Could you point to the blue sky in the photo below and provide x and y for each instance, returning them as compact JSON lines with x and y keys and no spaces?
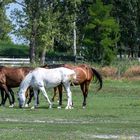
{"x":9,"y":10}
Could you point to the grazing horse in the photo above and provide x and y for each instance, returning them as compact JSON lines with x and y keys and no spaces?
{"x":40,"y":78}
{"x":11,"y":77}
{"x":84,"y":74}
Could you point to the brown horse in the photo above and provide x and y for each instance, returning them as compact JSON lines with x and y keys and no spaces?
{"x":11,"y":77}
{"x":85,"y":75}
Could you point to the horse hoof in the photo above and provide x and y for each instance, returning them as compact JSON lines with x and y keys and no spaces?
{"x":84,"y":107}
{"x":2,"y":105}
{"x":69,"y":107}
{"x":50,"y":106}
{"x":26,"y":105}
{"x":11,"y":106}
{"x":59,"y":107}
{"x":33,"y":107}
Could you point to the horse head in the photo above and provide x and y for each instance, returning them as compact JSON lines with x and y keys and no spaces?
{"x":21,"y":99}
{"x":72,"y":78}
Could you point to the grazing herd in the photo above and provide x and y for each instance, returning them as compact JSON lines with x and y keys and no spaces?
{"x":31,"y":81}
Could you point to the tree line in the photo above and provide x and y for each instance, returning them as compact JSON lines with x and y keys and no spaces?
{"x":98,"y":30}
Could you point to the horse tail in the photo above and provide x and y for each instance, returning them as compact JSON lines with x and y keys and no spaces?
{"x":98,"y":77}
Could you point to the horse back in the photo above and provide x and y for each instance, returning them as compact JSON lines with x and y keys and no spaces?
{"x":83,"y":72}
{"x":14,"y":75}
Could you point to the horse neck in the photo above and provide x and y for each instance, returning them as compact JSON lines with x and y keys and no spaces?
{"x":26,"y":82}
{"x":26,"y":70}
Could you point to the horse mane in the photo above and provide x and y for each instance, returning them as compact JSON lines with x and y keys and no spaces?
{"x":52,"y":65}
{"x":27,"y":69}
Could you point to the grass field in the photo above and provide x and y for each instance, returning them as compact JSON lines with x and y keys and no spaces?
{"x":113,"y":113}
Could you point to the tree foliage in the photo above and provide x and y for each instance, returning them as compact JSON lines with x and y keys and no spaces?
{"x":37,"y":23}
{"x":101,"y":33}
{"x":5,"y":24}
{"x":95,"y":29}
{"x":126,"y":13}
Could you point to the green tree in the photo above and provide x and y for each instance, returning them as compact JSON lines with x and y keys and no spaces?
{"x":126,"y":12}
{"x":68,"y":25}
{"x":5,"y":24}
{"x":101,"y":34}
{"x":48,"y":30}
{"x":36,"y":23}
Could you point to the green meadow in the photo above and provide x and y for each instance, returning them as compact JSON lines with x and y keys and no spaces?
{"x":112,"y":113}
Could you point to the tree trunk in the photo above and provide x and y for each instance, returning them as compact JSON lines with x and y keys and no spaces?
{"x":32,"y":50}
{"x":43,"y":56}
{"x":139,"y":51}
{"x":74,"y":39}
{"x":33,"y":41}
{"x":74,"y":34}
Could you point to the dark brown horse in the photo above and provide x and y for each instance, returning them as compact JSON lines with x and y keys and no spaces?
{"x":11,"y":77}
{"x":85,"y":74}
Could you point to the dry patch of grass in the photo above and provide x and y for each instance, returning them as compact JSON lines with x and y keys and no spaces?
{"x":109,"y":71}
{"x":132,"y":73}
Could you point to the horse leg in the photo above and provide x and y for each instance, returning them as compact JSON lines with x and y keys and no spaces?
{"x":60,"y":95}
{"x":38,"y":97}
{"x":69,"y":96}
{"x":83,"y":91}
{"x":31,"y":94}
{"x":55,"y":92}
{"x":2,"y":97}
{"x":84,"y":88}
{"x":35,"y":96}
{"x":12,"y":95}
{"x":46,"y":96}
{"x":7,"y":95}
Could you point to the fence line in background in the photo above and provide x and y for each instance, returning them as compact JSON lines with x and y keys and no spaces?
{"x":14,"y":61}
{"x":6,"y":61}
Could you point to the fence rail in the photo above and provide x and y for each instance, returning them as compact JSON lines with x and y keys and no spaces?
{"x":25,"y":61}
{"x":14,"y":61}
